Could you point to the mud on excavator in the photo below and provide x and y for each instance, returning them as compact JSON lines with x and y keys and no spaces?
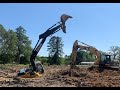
{"x":37,"y":69}
{"x":102,"y":61}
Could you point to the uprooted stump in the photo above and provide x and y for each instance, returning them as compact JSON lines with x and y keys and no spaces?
{"x":77,"y":72}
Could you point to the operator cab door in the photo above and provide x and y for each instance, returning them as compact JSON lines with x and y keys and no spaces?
{"x":105,"y":59}
{"x":108,"y":59}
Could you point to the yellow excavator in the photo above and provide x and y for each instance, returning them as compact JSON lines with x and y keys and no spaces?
{"x":37,"y":69}
{"x":102,"y":61}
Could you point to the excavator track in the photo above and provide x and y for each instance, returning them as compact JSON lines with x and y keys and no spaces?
{"x":101,"y":69}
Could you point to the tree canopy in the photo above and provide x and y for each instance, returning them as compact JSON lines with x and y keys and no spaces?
{"x":15,"y":46}
{"x":55,"y":48}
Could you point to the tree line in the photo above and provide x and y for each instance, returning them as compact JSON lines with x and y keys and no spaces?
{"x":15,"y":47}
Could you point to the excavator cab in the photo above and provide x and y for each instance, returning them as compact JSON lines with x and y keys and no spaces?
{"x":105,"y":62}
{"x":105,"y":59}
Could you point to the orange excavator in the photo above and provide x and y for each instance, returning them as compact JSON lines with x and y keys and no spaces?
{"x":36,"y":69}
{"x":102,"y":61}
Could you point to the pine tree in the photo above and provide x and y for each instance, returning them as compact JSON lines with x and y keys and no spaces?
{"x":55,"y":45}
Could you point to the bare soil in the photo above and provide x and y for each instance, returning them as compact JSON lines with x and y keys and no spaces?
{"x":59,"y":76}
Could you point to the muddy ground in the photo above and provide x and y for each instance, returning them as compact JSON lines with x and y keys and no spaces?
{"x":58,"y":76}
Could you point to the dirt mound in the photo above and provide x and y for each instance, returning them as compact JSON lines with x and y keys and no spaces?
{"x":59,"y":76}
{"x":85,"y":78}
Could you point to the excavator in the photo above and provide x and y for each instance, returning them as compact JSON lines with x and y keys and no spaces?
{"x":102,"y":61}
{"x":37,"y":69}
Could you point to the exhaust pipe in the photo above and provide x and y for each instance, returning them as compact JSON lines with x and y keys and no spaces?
{"x":63,"y":18}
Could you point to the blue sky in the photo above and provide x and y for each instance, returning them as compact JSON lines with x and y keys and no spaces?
{"x":96,"y":24}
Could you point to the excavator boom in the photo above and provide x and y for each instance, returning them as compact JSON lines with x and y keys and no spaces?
{"x":43,"y":37}
{"x":89,"y":48}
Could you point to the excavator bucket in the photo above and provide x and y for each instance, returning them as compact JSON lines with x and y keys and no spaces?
{"x":63,"y":18}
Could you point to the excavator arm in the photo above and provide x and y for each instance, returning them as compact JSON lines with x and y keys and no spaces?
{"x":43,"y":37}
{"x":39,"y":44}
{"x":91,"y":49}
{"x":74,"y":54}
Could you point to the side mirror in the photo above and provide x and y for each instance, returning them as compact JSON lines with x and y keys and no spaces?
{"x":63,"y":18}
